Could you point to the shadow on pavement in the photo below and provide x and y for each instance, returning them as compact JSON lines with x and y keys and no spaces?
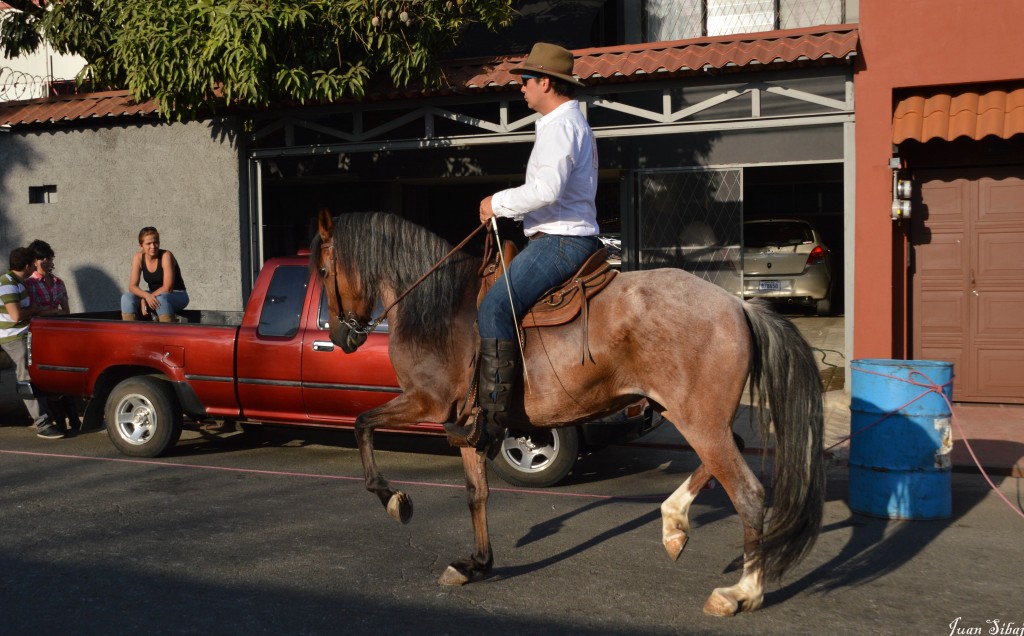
{"x":879,"y":546}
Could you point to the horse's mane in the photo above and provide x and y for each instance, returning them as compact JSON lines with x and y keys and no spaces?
{"x":383,"y":250}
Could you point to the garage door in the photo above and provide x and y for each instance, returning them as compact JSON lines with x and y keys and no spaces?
{"x":967,"y":249}
{"x":692,"y":219}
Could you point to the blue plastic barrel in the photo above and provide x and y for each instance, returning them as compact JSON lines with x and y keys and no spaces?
{"x":899,"y":464}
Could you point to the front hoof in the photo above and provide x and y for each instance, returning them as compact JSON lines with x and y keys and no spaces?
{"x":451,"y":576}
{"x":674,"y":544}
{"x":400,"y":507}
{"x":720,"y":605}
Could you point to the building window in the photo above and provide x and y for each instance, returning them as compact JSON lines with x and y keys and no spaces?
{"x":667,"y":20}
{"x":42,"y":194}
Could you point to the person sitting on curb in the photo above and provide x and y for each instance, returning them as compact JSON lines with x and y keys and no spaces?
{"x":14,"y":318}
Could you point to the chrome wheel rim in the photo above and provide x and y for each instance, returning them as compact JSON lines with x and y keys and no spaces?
{"x":530,"y":453}
{"x":136,"y":419}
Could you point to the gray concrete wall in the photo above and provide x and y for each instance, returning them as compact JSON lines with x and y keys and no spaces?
{"x":112,"y":181}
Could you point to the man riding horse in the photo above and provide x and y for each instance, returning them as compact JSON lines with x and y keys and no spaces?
{"x":559,"y":215}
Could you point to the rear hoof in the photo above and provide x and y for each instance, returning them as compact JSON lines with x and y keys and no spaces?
{"x":720,"y":605}
{"x":674,"y":544}
{"x":451,"y":576}
{"x":400,"y":507}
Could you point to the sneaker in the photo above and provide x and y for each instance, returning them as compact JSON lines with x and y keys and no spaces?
{"x":49,"y":432}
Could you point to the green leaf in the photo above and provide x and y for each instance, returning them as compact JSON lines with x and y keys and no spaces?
{"x":255,"y":51}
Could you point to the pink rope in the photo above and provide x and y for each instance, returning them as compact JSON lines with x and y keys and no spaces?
{"x":931,"y":387}
{"x":278,"y":473}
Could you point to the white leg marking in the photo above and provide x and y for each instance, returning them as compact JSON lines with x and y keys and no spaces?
{"x":747,"y":595}
{"x":675,"y":519}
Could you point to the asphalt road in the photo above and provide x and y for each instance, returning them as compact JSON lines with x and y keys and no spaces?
{"x":276,"y":535}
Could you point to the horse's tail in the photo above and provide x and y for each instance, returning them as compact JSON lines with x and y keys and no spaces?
{"x":786,"y":376}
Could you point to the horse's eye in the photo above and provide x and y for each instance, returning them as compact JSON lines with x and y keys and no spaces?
{"x":323,"y":272}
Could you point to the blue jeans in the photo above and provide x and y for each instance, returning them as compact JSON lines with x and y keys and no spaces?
{"x":547,"y":261}
{"x":171,"y":302}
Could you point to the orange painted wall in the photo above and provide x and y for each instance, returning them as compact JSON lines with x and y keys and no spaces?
{"x":911,"y":43}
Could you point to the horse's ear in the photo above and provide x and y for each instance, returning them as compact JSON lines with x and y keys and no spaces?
{"x":326,"y":226}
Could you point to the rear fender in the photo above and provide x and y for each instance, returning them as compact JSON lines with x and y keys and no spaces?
{"x":113,"y":376}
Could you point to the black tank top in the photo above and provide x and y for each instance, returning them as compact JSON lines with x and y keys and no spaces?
{"x":156,"y":278}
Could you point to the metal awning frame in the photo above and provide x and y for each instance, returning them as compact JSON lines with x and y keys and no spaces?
{"x":823,"y":110}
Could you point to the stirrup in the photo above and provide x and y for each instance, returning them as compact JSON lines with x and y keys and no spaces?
{"x":464,"y":436}
{"x":479,"y":434}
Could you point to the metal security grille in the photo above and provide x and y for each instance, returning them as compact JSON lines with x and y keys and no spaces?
{"x":681,"y":19}
{"x":693,"y":220}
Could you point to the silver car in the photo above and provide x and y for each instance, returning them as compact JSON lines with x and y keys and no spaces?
{"x":786,"y":260}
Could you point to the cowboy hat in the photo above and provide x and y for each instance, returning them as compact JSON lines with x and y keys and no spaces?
{"x":548,"y":59}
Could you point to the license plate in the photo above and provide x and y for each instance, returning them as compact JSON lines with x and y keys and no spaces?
{"x":769,"y":285}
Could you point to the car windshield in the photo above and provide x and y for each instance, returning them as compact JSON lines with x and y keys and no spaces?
{"x":776,"y":233}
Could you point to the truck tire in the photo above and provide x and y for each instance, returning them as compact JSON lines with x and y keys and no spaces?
{"x":537,"y":459}
{"x":143,"y":417}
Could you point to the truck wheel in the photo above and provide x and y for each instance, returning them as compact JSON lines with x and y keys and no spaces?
{"x":538,"y":459}
{"x":143,"y":418}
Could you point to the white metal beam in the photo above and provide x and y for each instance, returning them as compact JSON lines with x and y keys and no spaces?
{"x":643,"y":130}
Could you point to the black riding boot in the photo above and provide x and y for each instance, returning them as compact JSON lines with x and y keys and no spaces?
{"x":499,"y":369}
{"x":496,"y":377}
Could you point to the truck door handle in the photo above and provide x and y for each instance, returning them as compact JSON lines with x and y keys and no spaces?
{"x":323,"y":345}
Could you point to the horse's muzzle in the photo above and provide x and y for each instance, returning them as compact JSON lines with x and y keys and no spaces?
{"x":346,"y":338}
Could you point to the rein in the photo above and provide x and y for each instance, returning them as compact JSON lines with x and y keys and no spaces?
{"x":373,"y":324}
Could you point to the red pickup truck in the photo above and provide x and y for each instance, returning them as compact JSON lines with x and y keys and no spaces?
{"x":274,"y":363}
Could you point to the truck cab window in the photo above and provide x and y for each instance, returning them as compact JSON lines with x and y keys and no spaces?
{"x":282,"y":308}
{"x":322,"y":318}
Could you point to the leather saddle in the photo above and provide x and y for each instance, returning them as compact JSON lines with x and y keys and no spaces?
{"x":561,"y":304}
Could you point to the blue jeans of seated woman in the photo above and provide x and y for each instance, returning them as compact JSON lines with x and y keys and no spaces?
{"x":171,"y":302}
{"x":546,"y":262}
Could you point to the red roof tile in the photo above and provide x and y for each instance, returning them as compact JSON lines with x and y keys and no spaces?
{"x":66,"y":108}
{"x":595,"y":66}
{"x":640,"y":61}
{"x":960,"y":111}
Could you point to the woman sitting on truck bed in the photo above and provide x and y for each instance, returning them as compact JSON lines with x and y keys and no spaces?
{"x":160,"y":270}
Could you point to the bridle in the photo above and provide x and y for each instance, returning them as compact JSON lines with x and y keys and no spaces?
{"x":350,"y":320}
{"x":330,"y":276}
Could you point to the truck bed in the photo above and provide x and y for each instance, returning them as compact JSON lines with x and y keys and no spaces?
{"x":209,"y":317}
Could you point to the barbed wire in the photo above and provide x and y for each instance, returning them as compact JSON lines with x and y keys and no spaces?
{"x":17,"y":85}
{"x":21,"y":85}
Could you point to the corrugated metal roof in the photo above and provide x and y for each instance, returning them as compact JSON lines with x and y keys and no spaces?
{"x":67,"y":108}
{"x":961,"y":111}
{"x":595,"y":66}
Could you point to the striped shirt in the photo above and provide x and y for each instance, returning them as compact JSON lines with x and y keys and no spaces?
{"x":12,"y":291}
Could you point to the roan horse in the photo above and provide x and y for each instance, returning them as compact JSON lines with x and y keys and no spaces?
{"x":683,"y":343}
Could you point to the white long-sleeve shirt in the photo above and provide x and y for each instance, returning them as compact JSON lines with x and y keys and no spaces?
{"x":561,"y":178}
